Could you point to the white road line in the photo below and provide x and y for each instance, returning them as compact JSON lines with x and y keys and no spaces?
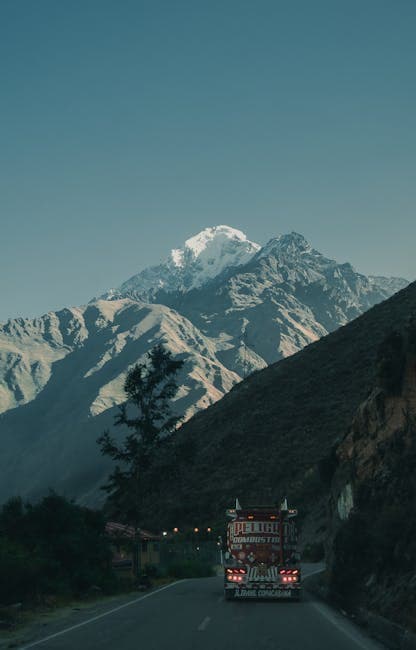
{"x":204,"y":624}
{"x":96,"y":618}
{"x":312,"y":573}
{"x":341,"y":625}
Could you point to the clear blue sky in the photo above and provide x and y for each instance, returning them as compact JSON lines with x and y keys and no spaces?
{"x":127,"y":126}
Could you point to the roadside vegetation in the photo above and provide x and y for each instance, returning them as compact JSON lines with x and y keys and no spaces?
{"x":52,"y":548}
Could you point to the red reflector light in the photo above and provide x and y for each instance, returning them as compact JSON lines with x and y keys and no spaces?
{"x":282,"y":571}
{"x":242,"y":571}
{"x":235,"y":578}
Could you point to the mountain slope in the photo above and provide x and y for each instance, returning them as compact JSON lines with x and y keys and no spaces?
{"x":268,"y":436}
{"x":52,"y":438}
{"x":287,"y":296}
{"x":371,"y":546}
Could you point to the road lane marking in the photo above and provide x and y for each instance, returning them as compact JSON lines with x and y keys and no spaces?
{"x":204,"y":624}
{"x":341,"y":625}
{"x":96,"y":618}
{"x":312,"y":573}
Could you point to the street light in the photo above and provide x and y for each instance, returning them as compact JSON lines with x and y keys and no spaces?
{"x":164,"y":533}
{"x":176,"y":530}
{"x":219,"y":544}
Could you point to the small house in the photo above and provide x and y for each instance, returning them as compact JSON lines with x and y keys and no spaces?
{"x":124,"y":539}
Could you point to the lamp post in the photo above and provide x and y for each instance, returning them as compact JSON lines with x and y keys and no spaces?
{"x":219,"y":543}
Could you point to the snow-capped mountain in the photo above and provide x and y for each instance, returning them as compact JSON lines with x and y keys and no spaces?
{"x":221,"y":302}
{"x":202,"y":258}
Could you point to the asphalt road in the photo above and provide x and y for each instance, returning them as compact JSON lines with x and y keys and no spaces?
{"x":192,"y":615}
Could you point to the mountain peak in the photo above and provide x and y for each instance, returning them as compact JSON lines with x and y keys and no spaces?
{"x":295,"y":240}
{"x":292,"y":244}
{"x":212,"y":242}
{"x":202,"y":258}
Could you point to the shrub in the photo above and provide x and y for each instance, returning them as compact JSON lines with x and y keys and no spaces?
{"x":52,"y":547}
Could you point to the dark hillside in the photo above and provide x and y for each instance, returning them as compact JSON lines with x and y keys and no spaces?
{"x":269,"y":434}
{"x":371,"y":545}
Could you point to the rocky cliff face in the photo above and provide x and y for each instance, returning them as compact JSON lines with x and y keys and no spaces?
{"x":372,"y":545}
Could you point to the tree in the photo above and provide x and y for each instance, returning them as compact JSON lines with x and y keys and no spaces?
{"x":149,"y":388}
{"x":51,"y":547}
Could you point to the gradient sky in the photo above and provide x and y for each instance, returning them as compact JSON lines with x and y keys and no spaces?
{"x":128,"y":126}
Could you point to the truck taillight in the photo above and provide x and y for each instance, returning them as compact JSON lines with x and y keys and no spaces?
{"x":232,"y":577}
{"x":236,"y":571}
{"x":289,"y":578}
{"x":289,"y":572}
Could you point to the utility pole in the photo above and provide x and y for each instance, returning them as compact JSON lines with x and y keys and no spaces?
{"x":137,"y":559}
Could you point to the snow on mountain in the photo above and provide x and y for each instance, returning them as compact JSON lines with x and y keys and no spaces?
{"x":202,"y":258}
{"x":287,"y":296}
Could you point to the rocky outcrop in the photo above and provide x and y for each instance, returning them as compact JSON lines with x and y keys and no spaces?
{"x":372,"y":543}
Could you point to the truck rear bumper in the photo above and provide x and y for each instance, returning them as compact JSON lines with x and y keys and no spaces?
{"x":263,"y":593}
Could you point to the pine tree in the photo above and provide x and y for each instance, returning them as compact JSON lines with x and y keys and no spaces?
{"x":149,"y":388}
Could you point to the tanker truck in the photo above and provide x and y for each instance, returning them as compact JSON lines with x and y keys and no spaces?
{"x":261,"y":561}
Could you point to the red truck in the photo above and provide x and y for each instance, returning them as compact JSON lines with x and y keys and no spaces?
{"x":261,"y":559}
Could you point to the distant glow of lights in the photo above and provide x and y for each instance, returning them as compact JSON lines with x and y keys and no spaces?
{"x":164,"y":533}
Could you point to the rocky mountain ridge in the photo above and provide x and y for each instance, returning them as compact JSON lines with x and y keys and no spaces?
{"x":202,"y":258}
